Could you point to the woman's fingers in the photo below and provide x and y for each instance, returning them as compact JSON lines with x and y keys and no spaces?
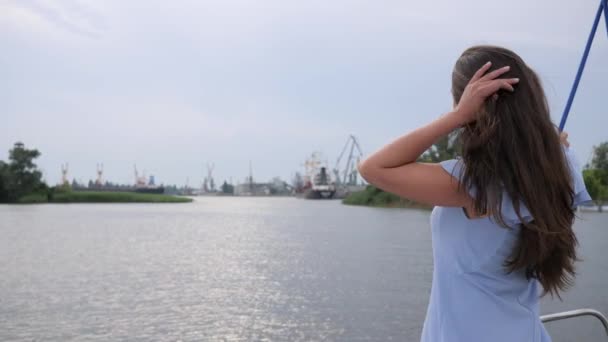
{"x":493,"y":86}
{"x":480,"y":72}
{"x":481,"y":75}
{"x":494,"y":74}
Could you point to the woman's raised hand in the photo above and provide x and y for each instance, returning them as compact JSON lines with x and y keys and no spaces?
{"x":563,"y":137}
{"x":480,"y":87}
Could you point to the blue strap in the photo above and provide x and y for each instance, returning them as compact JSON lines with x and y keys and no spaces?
{"x":605,"y":2}
{"x":603,"y":7}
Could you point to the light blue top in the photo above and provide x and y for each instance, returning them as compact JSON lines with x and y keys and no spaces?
{"x":473,"y":299}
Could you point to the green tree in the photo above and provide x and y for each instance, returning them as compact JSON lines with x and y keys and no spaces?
{"x":21,"y":175}
{"x":600,"y":156}
{"x":4,"y":181}
{"x":597,"y":190}
{"x":596,"y":175}
{"x":443,"y":149}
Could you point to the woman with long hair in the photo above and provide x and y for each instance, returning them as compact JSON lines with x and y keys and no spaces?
{"x":502,"y":223}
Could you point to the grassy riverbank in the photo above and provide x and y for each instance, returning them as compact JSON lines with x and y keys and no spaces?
{"x":102,"y":197}
{"x":374,"y":197}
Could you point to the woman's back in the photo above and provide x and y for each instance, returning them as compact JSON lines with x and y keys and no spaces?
{"x":473,"y":297}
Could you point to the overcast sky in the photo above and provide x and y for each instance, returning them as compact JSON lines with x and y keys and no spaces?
{"x":172,"y":85}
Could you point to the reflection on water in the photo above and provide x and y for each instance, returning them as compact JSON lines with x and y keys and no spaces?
{"x":235,"y":269}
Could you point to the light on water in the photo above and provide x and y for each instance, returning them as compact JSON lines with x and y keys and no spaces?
{"x":237,"y":269}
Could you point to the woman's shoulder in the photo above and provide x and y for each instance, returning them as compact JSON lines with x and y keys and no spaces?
{"x":509,"y":210}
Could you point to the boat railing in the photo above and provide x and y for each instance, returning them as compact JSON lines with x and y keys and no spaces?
{"x":576,"y":313}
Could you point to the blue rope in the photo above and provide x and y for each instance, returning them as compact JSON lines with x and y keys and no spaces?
{"x":581,"y":67}
{"x":605,"y":2}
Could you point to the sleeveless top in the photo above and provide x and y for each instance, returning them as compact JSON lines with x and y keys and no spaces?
{"x":473,"y":298}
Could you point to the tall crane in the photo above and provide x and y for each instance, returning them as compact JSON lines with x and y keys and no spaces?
{"x":209,"y":182}
{"x":140,"y":181}
{"x":347,"y":175}
{"x":99,"y":180}
{"x":64,"y":175}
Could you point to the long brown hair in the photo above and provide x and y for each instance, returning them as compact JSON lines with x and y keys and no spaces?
{"x":514,"y":147}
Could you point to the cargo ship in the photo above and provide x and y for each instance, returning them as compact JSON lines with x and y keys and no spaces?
{"x":318,"y":183}
{"x":147,"y":186}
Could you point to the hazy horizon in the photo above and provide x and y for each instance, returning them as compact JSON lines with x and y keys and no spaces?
{"x":172,"y":87}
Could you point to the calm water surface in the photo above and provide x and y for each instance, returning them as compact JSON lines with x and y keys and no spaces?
{"x":238,"y":269}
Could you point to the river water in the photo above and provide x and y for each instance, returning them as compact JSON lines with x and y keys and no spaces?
{"x":239,"y":269}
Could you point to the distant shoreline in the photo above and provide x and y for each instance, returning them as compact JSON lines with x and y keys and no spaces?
{"x":101,"y":197}
{"x":374,"y":197}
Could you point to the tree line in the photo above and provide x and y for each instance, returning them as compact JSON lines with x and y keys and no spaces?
{"x":20,"y":177}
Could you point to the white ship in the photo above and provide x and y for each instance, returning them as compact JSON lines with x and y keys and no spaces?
{"x":318,"y":183}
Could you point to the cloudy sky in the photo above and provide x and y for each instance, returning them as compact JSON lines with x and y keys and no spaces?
{"x":172,"y":85}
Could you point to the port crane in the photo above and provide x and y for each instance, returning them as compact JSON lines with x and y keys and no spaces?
{"x":209,"y":183}
{"x":347,"y":174}
{"x":99,"y":180}
{"x":64,"y":174}
{"x":140,"y":181}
